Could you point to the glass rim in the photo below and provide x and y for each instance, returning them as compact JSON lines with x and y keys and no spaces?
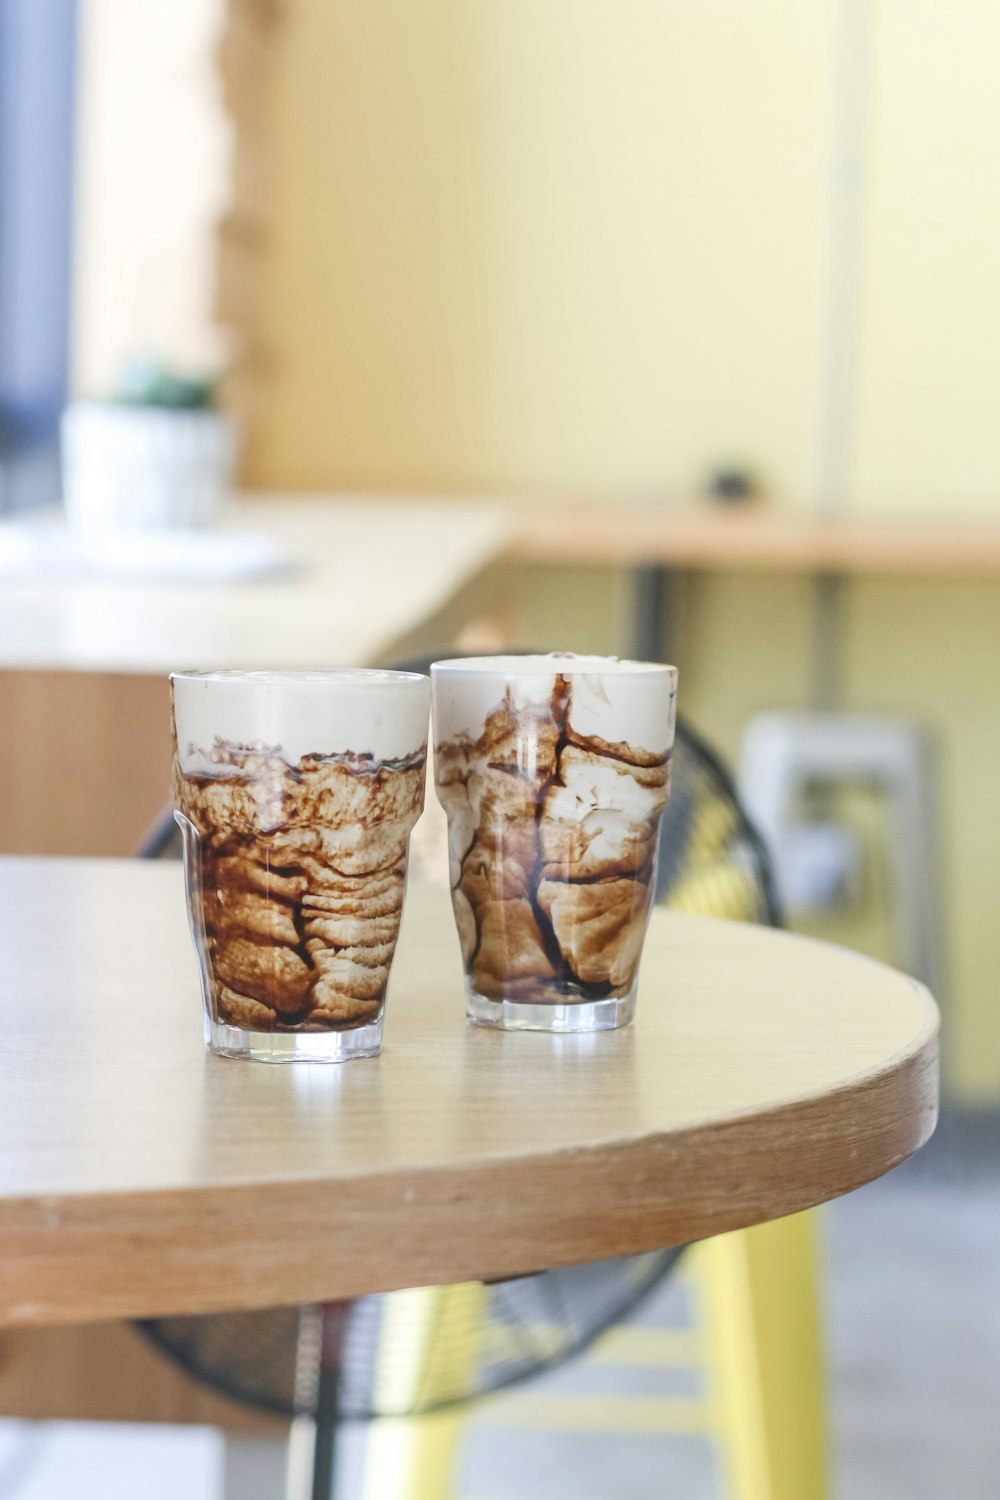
{"x":299,"y":676}
{"x":562,"y":663}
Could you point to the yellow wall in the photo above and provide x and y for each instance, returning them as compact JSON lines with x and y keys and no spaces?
{"x":558,"y":245}
{"x":928,"y":434}
{"x":578,"y":246}
{"x":152,"y":179}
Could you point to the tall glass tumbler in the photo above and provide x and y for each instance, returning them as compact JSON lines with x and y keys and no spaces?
{"x":554,"y":772}
{"x":296,"y":793}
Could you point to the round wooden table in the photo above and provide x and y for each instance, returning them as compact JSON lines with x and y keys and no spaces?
{"x":141,"y":1176}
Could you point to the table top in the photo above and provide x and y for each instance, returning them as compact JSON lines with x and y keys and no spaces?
{"x":757,"y":537}
{"x":368,"y":572}
{"x":141,"y":1176}
{"x":373,"y":569}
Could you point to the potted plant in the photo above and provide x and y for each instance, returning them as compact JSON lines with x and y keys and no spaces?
{"x":158,"y":455}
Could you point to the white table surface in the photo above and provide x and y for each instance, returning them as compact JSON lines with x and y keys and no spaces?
{"x":370,"y":571}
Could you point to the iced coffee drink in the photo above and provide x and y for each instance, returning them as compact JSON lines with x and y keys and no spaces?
{"x":296,"y":793}
{"x":554,"y":772}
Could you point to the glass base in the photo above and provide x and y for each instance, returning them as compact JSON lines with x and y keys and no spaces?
{"x":579,"y":1015}
{"x":295,"y":1046}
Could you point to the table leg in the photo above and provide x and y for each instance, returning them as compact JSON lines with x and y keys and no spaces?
{"x":334,"y":1317}
{"x":254,"y":1468}
{"x":653,"y":612}
{"x":829,"y":598}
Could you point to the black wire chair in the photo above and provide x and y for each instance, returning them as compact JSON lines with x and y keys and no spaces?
{"x":343,"y":1361}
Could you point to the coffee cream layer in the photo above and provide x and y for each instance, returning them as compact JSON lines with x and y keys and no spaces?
{"x":299,"y":859}
{"x":554,"y":773}
{"x":352,"y":711}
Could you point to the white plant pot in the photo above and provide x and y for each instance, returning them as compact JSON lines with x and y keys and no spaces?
{"x":142,"y":468}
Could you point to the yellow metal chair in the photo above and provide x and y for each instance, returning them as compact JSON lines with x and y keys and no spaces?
{"x":756,"y":1336}
{"x":762,"y":1351}
{"x":756,"y":1341}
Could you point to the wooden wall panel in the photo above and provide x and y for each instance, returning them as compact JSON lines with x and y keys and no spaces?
{"x":107,"y":1372}
{"x":84,"y":761}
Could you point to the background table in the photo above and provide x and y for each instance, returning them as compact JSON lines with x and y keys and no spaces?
{"x":379,"y":579}
{"x":751,"y":535}
{"x":660,"y":543}
{"x":140,"y":1176}
{"x":374,"y":580}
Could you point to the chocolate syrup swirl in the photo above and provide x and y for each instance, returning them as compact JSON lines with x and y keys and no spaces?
{"x":552,"y":837}
{"x":298,"y":875}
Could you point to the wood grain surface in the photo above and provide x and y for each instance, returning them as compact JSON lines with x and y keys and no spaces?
{"x":68,"y":785}
{"x":108,"y":1372}
{"x":756,"y":538}
{"x":765,"y":1073}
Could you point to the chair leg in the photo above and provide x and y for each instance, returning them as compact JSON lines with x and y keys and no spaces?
{"x":429,"y":1344}
{"x":915,"y":860}
{"x":413,"y":1458}
{"x":760,"y":1315}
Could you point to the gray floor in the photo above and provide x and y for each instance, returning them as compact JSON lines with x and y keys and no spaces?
{"x":913,"y":1313}
{"x":913,"y":1298}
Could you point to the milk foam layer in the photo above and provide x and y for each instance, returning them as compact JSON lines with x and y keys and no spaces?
{"x":617,"y":701}
{"x":350,"y":711}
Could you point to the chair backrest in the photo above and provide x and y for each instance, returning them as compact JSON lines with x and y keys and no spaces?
{"x":712,"y":860}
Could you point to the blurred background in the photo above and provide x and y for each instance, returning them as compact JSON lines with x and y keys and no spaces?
{"x":626,"y":311}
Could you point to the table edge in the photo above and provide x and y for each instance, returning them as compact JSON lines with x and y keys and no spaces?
{"x":170,"y":1251}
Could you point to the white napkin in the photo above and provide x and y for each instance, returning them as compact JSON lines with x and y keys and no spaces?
{"x":43,"y":551}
